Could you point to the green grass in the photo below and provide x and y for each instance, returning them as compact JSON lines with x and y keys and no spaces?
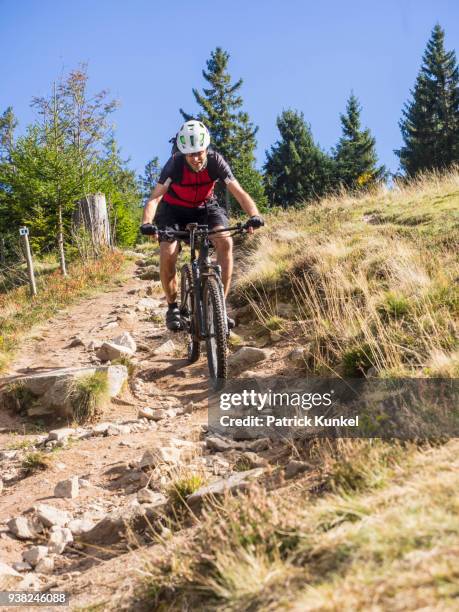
{"x":88,"y":395}
{"x":36,"y":461}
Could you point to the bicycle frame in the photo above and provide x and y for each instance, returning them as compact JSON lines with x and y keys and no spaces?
{"x":202,"y":268}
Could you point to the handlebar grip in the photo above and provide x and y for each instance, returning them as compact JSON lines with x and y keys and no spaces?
{"x":147,"y":229}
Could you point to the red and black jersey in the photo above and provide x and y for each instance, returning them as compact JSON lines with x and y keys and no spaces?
{"x":189,"y":188}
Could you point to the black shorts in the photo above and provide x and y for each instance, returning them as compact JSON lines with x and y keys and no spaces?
{"x":177,"y":217}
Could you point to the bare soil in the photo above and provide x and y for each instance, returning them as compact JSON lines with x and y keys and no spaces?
{"x":159,"y":381}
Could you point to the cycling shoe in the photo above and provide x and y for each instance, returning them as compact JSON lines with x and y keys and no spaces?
{"x":173,"y":322}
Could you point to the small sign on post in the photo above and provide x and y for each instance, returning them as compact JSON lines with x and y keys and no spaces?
{"x":24,"y":233}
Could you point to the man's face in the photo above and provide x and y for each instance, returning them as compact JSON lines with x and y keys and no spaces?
{"x":197,"y":160}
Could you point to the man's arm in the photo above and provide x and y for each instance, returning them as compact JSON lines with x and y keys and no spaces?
{"x":246,"y":202}
{"x":153,"y":201}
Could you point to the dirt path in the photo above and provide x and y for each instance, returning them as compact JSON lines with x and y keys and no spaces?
{"x":107,"y":463}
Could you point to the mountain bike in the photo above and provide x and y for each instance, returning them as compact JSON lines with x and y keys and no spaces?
{"x":202,"y":300}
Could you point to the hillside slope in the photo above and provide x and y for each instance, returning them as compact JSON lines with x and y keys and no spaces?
{"x":361,"y":287}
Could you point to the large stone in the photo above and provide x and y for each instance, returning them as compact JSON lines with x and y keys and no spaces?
{"x":50,"y":516}
{"x":110,"y":351}
{"x":52,"y":391}
{"x":125,"y":339}
{"x":116,"y":429}
{"x":24,"y":527}
{"x":35,"y":554}
{"x":298,"y":356}
{"x":236,"y":482}
{"x":22,"y":566}
{"x":58,"y":540}
{"x":247,"y":356}
{"x":67,"y":488}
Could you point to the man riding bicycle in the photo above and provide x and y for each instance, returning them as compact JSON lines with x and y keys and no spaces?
{"x":185,"y":194}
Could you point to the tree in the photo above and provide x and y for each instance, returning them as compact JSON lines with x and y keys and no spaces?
{"x":233,"y":134}
{"x":123,"y":194}
{"x":296,"y":169}
{"x":150,"y":177}
{"x":355,"y":154}
{"x":430,"y":123}
{"x":8,"y":124}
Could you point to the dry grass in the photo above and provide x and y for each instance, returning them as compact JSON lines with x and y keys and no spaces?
{"x":397,"y":537}
{"x":19,"y":313}
{"x":373,"y":279}
{"x":88,"y":395}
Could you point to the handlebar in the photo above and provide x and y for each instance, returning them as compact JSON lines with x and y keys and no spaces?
{"x":199,"y":230}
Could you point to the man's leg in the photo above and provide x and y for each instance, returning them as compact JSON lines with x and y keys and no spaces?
{"x":224,"y":247}
{"x":168,"y":252}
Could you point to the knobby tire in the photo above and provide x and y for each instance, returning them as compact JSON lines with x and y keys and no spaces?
{"x":187,"y":309}
{"x":214,"y":317}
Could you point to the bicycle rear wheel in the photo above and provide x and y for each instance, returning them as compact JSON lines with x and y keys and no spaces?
{"x":214,"y":317}
{"x":188,"y":313}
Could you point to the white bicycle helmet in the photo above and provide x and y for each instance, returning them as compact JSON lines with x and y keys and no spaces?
{"x":193,"y":137}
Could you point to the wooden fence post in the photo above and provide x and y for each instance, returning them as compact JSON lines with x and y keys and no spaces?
{"x":24,"y":233}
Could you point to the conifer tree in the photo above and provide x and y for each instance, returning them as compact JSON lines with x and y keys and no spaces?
{"x":355,"y":155}
{"x":232,"y":132}
{"x":296,"y":169}
{"x":150,"y":177}
{"x":430,"y":122}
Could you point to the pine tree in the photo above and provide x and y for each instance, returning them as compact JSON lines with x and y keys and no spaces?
{"x":232,"y":132}
{"x":430,"y":123}
{"x":296,"y":169}
{"x":150,"y":177}
{"x":355,"y":155}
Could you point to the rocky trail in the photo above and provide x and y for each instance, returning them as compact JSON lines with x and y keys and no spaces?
{"x":83,"y":524}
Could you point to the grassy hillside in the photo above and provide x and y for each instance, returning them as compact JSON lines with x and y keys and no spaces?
{"x":372,"y":286}
{"x":374,"y":280}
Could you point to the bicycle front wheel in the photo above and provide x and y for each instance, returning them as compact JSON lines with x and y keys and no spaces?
{"x":214,"y":317}
{"x":188,"y":313}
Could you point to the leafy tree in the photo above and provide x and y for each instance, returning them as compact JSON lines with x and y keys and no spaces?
{"x":355,"y":155}
{"x":430,"y":123}
{"x":233,"y":134}
{"x":296,"y":169}
{"x":123,"y":194}
{"x":150,"y":177}
{"x":8,"y":124}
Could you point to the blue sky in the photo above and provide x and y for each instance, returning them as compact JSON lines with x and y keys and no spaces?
{"x":299,"y":54}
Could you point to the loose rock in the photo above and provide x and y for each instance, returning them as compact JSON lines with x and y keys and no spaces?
{"x":247,"y":356}
{"x":35,"y":554}
{"x":156,"y":456}
{"x":110,"y":351}
{"x":67,"y":488}
{"x":236,"y":482}
{"x":58,"y":540}
{"x":79,"y":526}
{"x":50,"y":516}
{"x":125,"y":339}
{"x":22,"y":566}
{"x":165,"y":349}
{"x":146,"y":496}
{"x":45,"y":566}
{"x":24,"y":528}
